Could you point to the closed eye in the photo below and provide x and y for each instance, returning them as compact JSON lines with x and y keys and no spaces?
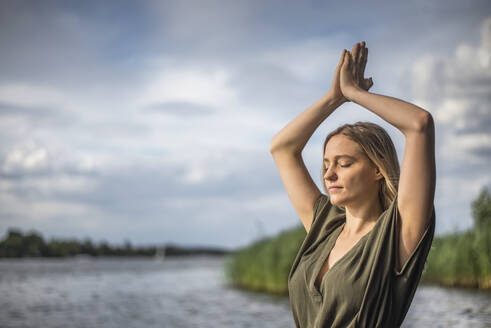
{"x":346,"y":165}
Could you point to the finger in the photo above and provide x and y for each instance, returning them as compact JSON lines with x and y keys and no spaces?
{"x":341,"y":60}
{"x":346,"y":59}
{"x":349,"y":60}
{"x":359,"y":61}
{"x":361,"y":52}
{"x":364,"y":61}
{"x":356,"y":49}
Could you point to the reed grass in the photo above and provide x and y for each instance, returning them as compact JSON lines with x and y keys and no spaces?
{"x":264,"y":265}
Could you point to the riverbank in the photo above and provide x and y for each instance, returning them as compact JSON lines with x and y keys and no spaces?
{"x":16,"y":244}
{"x":460,"y":260}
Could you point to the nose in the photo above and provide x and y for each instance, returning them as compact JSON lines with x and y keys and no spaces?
{"x":330,"y":173}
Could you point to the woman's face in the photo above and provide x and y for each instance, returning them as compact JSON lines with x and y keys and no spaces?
{"x":349,"y":168}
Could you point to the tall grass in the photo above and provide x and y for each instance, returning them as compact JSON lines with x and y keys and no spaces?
{"x":458,"y":259}
{"x":264,"y":265}
{"x":464,"y":259}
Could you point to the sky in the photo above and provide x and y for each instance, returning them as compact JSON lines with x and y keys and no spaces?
{"x":151,"y":121}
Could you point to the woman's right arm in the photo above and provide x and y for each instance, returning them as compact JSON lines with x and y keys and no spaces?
{"x":287,"y":145}
{"x":286,"y":149}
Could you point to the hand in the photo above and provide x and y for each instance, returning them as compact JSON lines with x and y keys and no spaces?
{"x":353,"y":69}
{"x":336,"y":87}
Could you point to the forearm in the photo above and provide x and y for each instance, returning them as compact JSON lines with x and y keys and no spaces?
{"x":403,"y":115}
{"x":294,"y":136}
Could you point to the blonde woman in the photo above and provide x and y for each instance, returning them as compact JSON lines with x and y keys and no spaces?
{"x":369,"y":233}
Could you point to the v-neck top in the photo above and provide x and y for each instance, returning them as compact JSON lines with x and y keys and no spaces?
{"x":363,"y":288}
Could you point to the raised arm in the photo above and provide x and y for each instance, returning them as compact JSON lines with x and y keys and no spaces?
{"x":286,"y":149}
{"x":418,"y":170}
{"x":287,"y":145}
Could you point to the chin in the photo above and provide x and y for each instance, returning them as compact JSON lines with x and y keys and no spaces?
{"x":338,"y":200}
{"x":335,"y":200}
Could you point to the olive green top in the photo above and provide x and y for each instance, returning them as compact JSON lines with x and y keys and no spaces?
{"x":363,"y":288}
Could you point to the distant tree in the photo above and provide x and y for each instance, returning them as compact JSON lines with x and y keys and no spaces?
{"x":481,"y":213}
{"x":128,"y":248}
{"x":88,"y":247}
{"x":12,"y":245}
{"x":16,"y":244}
{"x":34,"y":245}
{"x":481,"y":209}
{"x":105,"y":249}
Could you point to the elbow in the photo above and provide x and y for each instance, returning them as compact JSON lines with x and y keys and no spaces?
{"x":276,"y":144}
{"x":272,"y":146}
{"x":425,"y":122}
{"x":276,"y":147}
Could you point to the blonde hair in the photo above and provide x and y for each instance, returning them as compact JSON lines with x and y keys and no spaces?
{"x":378,"y":147}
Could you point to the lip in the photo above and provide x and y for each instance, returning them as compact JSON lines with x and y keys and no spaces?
{"x":334,"y":187}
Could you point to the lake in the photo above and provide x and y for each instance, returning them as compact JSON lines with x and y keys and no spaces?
{"x":178,"y":292}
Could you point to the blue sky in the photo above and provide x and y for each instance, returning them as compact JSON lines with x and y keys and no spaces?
{"x":150,"y":121}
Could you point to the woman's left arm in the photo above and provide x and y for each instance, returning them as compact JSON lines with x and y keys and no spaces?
{"x":417,"y":181}
{"x":418,"y":170}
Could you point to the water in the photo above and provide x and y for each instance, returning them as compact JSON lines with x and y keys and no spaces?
{"x":186,"y":292}
{"x":438,"y":307}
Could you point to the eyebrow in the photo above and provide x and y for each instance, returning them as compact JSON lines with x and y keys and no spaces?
{"x":338,"y":156}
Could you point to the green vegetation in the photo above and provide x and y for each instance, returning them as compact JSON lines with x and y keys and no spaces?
{"x":16,"y":244}
{"x":459,"y":259}
{"x":264,"y":266}
{"x":464,"y":259}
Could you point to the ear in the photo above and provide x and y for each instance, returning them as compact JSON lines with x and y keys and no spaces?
{"x":378,"y":174}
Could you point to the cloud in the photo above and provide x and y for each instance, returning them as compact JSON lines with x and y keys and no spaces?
{"x":28,"y":159}
{"x":182,"y":108}
{"x":153,"y":121}
{"x":152,"y":198}
{"x":192,"y":86}
{"x":455,"y":90}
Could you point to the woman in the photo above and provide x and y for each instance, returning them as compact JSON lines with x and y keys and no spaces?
{"x":369,"y":236}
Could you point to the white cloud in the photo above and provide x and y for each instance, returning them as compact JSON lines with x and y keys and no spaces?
{"x":201,"y":87}
{"x":456,"y":90}
{"x":78,"y":141}
{"x":29,"y":157}
{"x":452,"y":110}
{"x":52,"y":184}
{"x":459,"y":147}
{"x":307,"y":59}
{"x":31,"y":95}
{"x":39,"y":210}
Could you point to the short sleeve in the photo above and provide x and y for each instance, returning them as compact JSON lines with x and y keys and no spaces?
{"x":405,"y":281}
{"x":417,"y":259}
{"x":326,"y":216}
{"x":320,"y":203}
{"x":322,"y":208}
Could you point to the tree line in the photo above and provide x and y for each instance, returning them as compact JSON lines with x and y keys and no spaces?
{"x":32,"y":244}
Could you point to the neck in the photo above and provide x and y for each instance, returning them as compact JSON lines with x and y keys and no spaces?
{"x":361,"y":218}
